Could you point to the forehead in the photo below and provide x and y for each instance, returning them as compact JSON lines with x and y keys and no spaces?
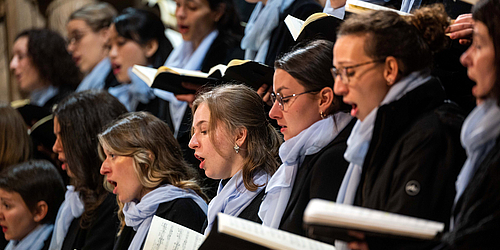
{"x":481,"y":31}
{"x":202,"y":114}
{"x":77,"y":24}
{"x":12,"y":196}
{"x":349,"y":48}
{"x":283,"y":81}
{"x":199,"y":2}
{"x":21,"y":44}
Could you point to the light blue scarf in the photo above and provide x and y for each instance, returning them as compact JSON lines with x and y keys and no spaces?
{"x":408,"y":5}
{"x":262,"y":22}
{"x":71,"y":208}
{"x":233,"y":198}
{"x":34,"y":240}
{"x":131,"y":94}
{"x":40,"y":96}
{"x":184,"y":57}
{"x":97,"y":76}
{"x":139,"y":215}
{"x":478,"y":136}
{"x":292,"y":152}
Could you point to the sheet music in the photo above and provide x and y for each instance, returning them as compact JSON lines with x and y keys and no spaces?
{"x":266,"y":236}
{"x":167,"y":235}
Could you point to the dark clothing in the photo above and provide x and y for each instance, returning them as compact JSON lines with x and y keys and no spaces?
{"x":63,"y":92}
{"x":183,"y":211}
{"x":477,"y":212}
{"x":281,"y":40}
{"x":251,"y":212}
{"x":223,"y":49}
{"x":319,"y":176}
{"x":101,"y":232}
{"x":414,"y":158}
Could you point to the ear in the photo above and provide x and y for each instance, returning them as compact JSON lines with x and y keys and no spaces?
{"x":150,"y":48}
{"x":40,"y":212}
{"x":325,"y":99}
{"x":241,"y":136}
{"x":391,"y":70}
{"x":221,"y":9}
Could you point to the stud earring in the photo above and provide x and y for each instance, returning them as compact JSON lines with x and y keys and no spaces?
{"x":236,"y":148}
{"x":323,"y":116}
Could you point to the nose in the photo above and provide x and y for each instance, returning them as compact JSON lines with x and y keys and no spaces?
{"x":13,"y":63}
{"x":275,"y":112}
{"x":339,"y":88}
{"x":193,"y":143}
{"x":71,"y":46}
{"x":180,"y":12}
{"x":465,"y":58}
{"x":105,"y":168}
{"x":113,"y":53}
{"x":57,"y":148}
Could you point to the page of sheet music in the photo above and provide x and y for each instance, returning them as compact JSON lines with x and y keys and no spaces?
{"x":167,"y":235}
{"x":266,"y":236}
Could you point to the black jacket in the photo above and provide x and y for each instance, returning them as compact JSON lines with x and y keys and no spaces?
{"x":414,"y":158}
{"x":183,"y":211}
{"x":319,"y":176}
{"x":477,"y":212}
{"x":100,"y":234}
{"x":281,"y":40}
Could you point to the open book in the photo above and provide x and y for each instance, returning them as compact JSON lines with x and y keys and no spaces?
{"x":317,"y":25}
{"x":321,"y":215}
{"x":359,"y":6}
{"x":227,"y":233}
{"x":251,"y":73}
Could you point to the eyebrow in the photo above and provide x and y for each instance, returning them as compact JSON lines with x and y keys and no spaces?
{"x":200,"y":122}
{"x":281,"y":88}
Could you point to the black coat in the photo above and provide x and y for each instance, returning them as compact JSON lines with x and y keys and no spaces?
{"x":183,"y":211}
{"x":414,"y":158}
{"x":477,"y":212}
{"x":319,"y":176}
{"x":281,"y":40}
{"x":100,"y":234}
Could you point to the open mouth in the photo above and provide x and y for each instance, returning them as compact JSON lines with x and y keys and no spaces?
{"x":354,"y":110}
{"x":183,"y":29}
{"x":4,"y":229}
{"x":202,"y":163}
{"x":116,"y":68}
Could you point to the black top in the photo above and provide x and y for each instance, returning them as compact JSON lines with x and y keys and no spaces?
{"x":413,"y":160}
{"x":477,"y":212}
{"x":183,"y":211}
{"x":319,"y":176}
{"x":101,"y":232}
{"x":281,"y":40}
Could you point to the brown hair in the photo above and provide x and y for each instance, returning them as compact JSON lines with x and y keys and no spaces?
{"x":412,"y":40}
{"x":310,"y":65}
{"x":157,"y":155}
{"x":81,"y":118}
{"x":487,"y":12}
{"x":237,"y":106}
{"x":15,"y":146}
{"x":97,"y":16}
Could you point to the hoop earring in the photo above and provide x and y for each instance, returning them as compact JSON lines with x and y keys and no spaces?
{"x":236,"y":148}
{"x":323,"y":116}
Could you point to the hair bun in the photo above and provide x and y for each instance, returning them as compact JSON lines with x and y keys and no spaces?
{"x":431,"y":22}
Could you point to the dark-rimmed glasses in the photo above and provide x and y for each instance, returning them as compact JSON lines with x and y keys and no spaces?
{"x":283,"y":100}
{"x":344,"y":77}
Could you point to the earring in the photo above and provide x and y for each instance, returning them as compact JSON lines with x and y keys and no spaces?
{"x":236,"y":148}
{"x":323,"y":116}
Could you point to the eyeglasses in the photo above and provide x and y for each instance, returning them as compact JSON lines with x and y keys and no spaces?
{"x":284,"y":100}
{"x":344,"y":76}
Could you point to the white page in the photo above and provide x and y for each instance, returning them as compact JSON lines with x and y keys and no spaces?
{"x":266,"y":236}
{"x":294,"y":25}
{"x":167,"y":235}
{"x":146,"y":74}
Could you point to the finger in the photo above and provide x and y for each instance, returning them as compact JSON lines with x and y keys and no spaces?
{"x":189,"y":98}
{"x":262,"y":90}
{"x":458,"y":27}
{"x":465,"y":41}
{"x":356,"y":234}
{"x":464,"y":17}
{"x":463,"y":34}
{"x":267,"y":99}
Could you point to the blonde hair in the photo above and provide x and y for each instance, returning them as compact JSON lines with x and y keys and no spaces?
{"x":237,"y":106}
{"x":156,"y":154}
{"x":15,"y":146}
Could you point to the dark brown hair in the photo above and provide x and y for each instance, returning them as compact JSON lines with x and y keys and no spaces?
{"x":36,"y":180}
{"x":81,"y":117}
{"x":412,"y":40}
{"x":310,"y":65}
{"x":487,"y":12}
{"x":237,"y":106}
